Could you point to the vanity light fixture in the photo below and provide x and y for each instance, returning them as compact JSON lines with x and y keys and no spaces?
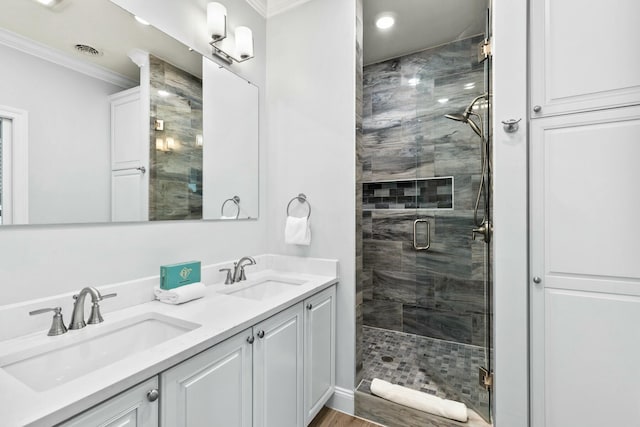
{"x":217,"y":26}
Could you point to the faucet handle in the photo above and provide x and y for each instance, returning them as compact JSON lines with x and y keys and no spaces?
{"x":95,"y":316}
{"x":57,"y":324}
{"x":228,"y":280}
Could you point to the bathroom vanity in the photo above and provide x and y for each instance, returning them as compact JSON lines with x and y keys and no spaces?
{"x":259,"y":352}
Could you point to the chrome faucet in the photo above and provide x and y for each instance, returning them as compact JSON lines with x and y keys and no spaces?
{"x":238,"y":268}
{"x":77,"y":317}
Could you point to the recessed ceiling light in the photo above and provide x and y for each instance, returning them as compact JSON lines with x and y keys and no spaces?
{"x":413,"y":82}
{"x":163,"y":93}
{"x":443,"y":100}
{"x":48,"y":3}
{"x":140,"y":20}
{"x":385,"y":21}
{"x":469,"y":85}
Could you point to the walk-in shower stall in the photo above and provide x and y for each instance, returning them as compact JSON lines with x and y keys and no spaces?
{"x":424,"y":223}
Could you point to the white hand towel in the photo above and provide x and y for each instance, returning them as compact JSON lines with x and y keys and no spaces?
{"x":419,"y":400}
{"x":297,"y":231}
{"x":180,"y":295}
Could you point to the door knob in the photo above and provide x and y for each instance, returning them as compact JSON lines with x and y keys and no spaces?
{"x":260,"y":334}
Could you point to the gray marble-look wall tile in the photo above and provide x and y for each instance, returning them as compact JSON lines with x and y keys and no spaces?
{"x":438,"y":324}
{"x":459,"y":295}
{"x":406,"y":137}
{"x":393,"y":225}
{"x":383,"y":314}
{"x":367,"y":283}
{"x":384,"y":255}
{"x":394,"y":286}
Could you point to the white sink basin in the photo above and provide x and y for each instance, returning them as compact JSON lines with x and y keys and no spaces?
{"x":265,"y":288}
{"x":77,"y":353}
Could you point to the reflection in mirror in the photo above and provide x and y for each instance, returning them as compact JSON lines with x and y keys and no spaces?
{"x":175,"y":179}
{"x":95,"y":151}
{"x":233,"y":151}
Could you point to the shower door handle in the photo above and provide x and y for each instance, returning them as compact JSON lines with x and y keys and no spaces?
{"x":415,"y":236}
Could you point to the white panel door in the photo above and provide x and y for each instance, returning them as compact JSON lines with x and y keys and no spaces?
{"x":127,"y":147}
{"x":212,"y":389}
{"x":131,"y":408}
{"x":584,"y":55}
{"x":319,"y":351}
{"x":129,"y":158}
{"x":278,"y":376}
{"x":585,"y":284}
{"x":129,"y":197}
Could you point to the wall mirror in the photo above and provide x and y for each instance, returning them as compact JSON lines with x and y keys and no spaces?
{"x":106,"y":119}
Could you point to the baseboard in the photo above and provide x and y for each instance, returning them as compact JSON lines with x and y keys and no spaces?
{"x":342,"y":400}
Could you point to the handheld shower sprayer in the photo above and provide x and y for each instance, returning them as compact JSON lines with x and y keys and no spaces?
{"x":468,"y":112}
{"x":483,"y":225}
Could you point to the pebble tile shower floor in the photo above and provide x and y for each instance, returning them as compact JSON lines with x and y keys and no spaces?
{"x":442,"y":368}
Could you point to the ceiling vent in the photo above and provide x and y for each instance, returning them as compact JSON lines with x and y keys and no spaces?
{"x":87,"y":50}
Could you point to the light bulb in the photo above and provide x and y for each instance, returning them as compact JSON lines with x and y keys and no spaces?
{"x":217,"y":20}
{"x":244,"y":42}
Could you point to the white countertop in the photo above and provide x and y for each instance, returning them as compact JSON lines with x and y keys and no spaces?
{"x":220,"y":316}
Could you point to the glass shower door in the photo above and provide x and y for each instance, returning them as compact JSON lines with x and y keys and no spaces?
{"x":453,"y":275}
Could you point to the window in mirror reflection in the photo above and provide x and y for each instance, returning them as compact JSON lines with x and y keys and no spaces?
{"x":175,"y":181}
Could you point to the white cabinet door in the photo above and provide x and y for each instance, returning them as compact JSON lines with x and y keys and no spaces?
{"x":131,"y":408}
{"x":584,"y":55}
{"x":585,"y":284}
{"x":278,"y":363}
{"x":319,"y":351}
{"x":212,"y":389}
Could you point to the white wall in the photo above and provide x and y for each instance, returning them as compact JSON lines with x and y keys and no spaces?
{"x":510,"y":214}
{"x":68,"y":137}
{"x":38,"y":261}
{"x":311,"y":131}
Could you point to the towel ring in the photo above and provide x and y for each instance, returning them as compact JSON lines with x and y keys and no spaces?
{"x":301,"y":198}
{"x":236,"y":201}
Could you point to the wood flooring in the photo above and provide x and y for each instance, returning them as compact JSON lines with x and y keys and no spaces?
{"x":328,"y":417}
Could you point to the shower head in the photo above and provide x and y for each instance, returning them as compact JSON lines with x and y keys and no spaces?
{"x":457,"y":117}
{"x":464,"y":117}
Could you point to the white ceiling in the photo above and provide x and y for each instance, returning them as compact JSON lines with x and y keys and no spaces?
{"x":420,"y":24}
{"x":98,"y":23}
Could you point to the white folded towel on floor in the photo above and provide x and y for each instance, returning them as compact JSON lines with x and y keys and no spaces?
{"x":179,"y":295}
{"x":297,"y":231}
{"x":419,"y":400}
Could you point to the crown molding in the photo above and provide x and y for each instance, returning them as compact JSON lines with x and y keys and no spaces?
{"x":46,"y":53}
{"x":275,"y":7}
{"x":260,"y":6}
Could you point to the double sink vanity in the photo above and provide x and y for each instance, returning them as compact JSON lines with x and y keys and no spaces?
{"x":253,"y":353}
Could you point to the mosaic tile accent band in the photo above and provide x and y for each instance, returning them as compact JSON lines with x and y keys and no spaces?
{"x":430,"y":193}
